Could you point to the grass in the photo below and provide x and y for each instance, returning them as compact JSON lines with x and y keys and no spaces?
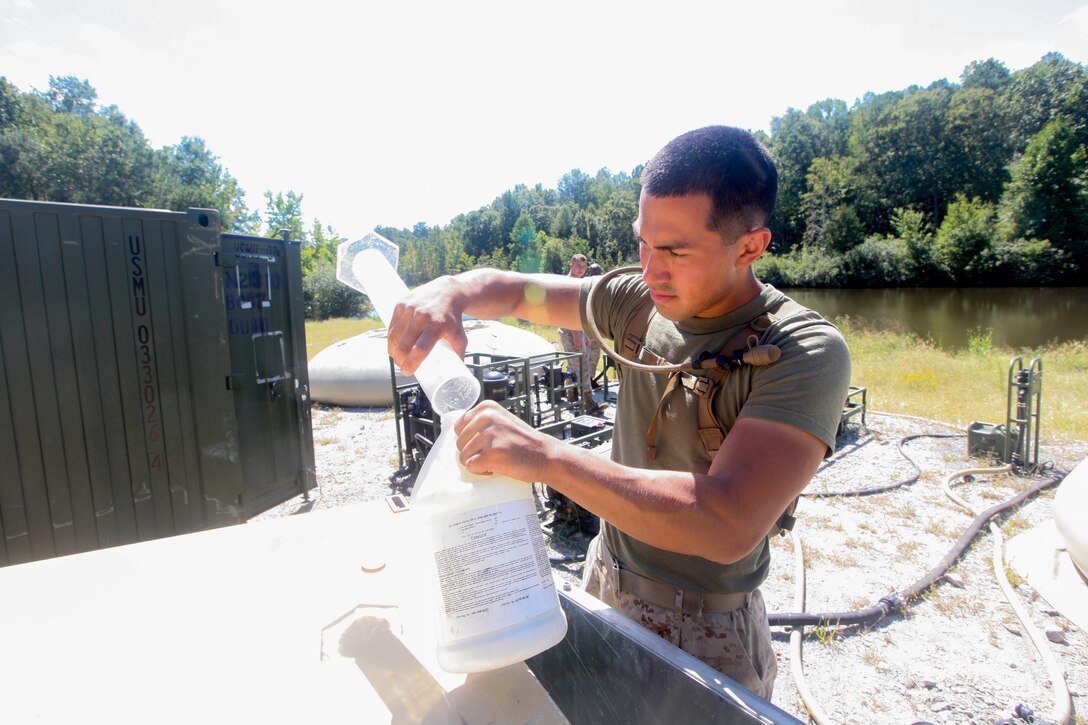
{"x":843,"y":560}
{"x":853,"y":542}
{"x":907,"y":549}
{"x":906,"y":374}
{"x":953,"y":604}
{"x":936,"y":527}
{"x":1014,"y":578}
{"x":322,"y":333}
{"x":1017,"y":524}
{"x":826,"y":636}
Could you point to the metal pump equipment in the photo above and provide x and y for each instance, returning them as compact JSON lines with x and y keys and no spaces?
{"x":1017,"y":441}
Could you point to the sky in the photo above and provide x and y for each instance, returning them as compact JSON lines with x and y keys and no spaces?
{"x":415,"y":111}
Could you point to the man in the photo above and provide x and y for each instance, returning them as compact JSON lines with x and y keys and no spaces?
{"x":683,"y":546}
{"x":575,"y":341}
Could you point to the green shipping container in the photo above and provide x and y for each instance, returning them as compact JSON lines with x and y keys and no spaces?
{"x":152,"y":377}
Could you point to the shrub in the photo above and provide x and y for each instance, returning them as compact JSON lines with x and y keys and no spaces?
{"x":963,"y":241}
{"x":325,"y":296}
{"x":802,"y":267}
{"x":1028,"y":262}
{"x":880,"y":262}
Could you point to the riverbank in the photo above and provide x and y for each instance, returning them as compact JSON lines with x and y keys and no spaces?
{"x":906,"y":374}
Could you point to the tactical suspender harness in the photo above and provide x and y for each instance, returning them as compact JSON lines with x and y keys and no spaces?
{"x":743,"y":349}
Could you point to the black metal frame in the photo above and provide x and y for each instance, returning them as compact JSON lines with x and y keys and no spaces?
{"x":538,"y":391}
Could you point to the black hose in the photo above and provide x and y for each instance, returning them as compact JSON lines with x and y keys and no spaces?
{"x":887,"y":486}
{"x":893,"y":603}
{"x":567,"y":559}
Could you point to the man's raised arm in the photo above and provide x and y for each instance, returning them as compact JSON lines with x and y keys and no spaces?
{"x":433,"y":311}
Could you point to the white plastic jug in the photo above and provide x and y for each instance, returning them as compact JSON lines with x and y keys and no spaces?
{"x":497,"y":598}
{"x":495,"y":593}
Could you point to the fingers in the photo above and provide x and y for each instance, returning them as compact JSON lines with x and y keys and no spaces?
{"x":473,"y":425}
{"x":473,"y":440}
{"x":459,"y":340}
{"x":483,"y":437}
{"x":409,"y":338}
{"x":412,"y":348}
{"x":414,"y":331}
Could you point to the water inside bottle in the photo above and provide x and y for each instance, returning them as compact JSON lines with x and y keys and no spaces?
{"x":458,"y":393}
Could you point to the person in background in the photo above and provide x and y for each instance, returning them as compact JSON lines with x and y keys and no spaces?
{"x":686,"y":511}
{"x":575,"y":341}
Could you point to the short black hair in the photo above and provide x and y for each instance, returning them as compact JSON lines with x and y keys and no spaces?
{"x":727,"y":164}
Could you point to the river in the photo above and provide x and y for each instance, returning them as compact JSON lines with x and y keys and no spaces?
{"x":1019,"y":317}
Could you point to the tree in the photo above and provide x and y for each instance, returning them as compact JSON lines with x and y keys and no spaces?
{"x":21,"y":158}
{"x":1040,"y":93}
{"x":616,"y":224}
{"x":990,"y":74}
{"x":12,"y":109}
{"x":1047,"y":194}
{"x":56,"y":146}
{"x":283,"y":216}
{"x":188,"y":174}
{"x":795,"y":143}
{"x":479,"y":229}
{"x":964,"y":239}
{"x":325,"y":296}
{"x":821,"y":131}
{"x":907,"y":154}
{"x":830,"y":218}
{"x":563,"y":223}
{"x":913,"y":228}
{"x":320,"y":247}
{"x":68,"y":94}
{"x":979,"y":149}
{"x":574,"y":187}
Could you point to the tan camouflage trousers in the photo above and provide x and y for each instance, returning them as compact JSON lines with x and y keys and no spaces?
{"x":578,"y":341}
{"x":736,"y":643}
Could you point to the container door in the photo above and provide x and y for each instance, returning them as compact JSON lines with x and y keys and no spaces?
{"x":262,"y":282}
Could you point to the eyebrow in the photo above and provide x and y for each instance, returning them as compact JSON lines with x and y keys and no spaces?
{"x":678,"y":244}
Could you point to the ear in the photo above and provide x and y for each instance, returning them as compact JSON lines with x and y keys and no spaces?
{"x":751,"y":246}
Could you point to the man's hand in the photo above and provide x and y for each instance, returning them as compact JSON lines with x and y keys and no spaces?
{"x":433,"y":312}
{"x":428,"y":314}
{"x":493,"y":440}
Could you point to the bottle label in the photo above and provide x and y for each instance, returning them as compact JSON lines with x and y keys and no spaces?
{"x":493,"y":570}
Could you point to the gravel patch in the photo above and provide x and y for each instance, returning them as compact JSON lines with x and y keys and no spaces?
{"x":957,"y":654}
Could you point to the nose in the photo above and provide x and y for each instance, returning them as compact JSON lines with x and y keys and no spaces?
{"x":653,"y":268}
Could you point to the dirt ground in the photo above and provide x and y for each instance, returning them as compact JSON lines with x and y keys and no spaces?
{"x":957,"y":654}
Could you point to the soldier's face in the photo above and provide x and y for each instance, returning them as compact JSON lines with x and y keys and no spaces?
{"x":690,"y":270}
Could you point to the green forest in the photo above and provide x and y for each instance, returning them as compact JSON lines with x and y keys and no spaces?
{"x":980,"y":182}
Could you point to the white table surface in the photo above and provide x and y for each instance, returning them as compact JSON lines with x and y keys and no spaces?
{"x":266,"y":622}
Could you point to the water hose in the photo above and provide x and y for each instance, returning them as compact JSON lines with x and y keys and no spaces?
{"x":1063,"y":703}
{"x":797,"y":669}
{"x":595,"y":334}
{"x":887,"y":486}
{"x":893,"y":603}
{"x":758,"y":355}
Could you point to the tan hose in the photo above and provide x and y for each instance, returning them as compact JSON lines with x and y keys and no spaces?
{"x":595,"y":334}
{"x":758,"y":356}
{"x":1063,"y":704}
{"x":797,"y":669}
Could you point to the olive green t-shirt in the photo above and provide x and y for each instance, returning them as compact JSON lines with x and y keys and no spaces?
{"x":805,"y":388}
